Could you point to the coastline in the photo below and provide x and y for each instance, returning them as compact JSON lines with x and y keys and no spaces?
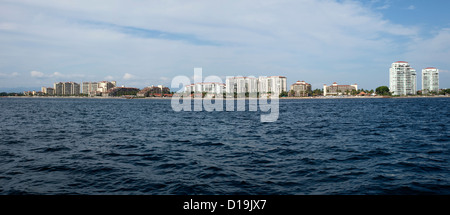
{"x":282,"y":98}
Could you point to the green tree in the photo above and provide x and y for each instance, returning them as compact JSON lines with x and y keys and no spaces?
{"x":383,"y":90}
{"x":284,"y":94}
{"x":317,"y":92}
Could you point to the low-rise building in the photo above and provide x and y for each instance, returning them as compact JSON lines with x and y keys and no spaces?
{"x":300,"y":89}
{"x":156,"y":91}
{"x":337,"y":90}
{"x":48,"y":91}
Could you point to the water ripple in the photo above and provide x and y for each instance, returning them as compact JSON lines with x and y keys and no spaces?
{"x":348,"y":146}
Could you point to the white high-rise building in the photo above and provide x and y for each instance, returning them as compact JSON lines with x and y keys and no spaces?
{"x":66,"y":89}
{"x":273,"y":85}
{"x":402,"y":79}
{"x":207,"y":87}
{"x":241,"y":85}
{"x":430,"y":80}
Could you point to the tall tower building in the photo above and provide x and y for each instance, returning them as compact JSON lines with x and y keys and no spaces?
{"x":430,"y":80}
{"x":402,"y":79}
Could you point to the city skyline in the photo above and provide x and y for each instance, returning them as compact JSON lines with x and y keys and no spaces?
{"x":318,"y":41}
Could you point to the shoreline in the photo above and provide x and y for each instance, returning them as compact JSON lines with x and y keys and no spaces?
{"x":282,"y":98}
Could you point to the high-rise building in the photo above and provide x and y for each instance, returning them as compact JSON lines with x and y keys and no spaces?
{"x":273,"y":85}
{"x":402,"y":79}
{"x":66,"y":89}
{"x":89,"y":88}
{"x":241,"y":85}
{"x":75,"y":89}
{"x":208,"y":87}
{"x":430,"y":80}
{"x":97,"y":88}
{"x":59,"y":88}
{"x":336,"y":90}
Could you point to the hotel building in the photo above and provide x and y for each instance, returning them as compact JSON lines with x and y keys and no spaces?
{"x":158,"y":91}
{"x":430,"y":80}
{"x":300,"y":89}
{"x":337,"y":90}
{"x":402,"y":79}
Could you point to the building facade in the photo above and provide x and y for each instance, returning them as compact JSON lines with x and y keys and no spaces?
{"x":338,"y":90}
{"x":402,"y":79}
{"x":273,"y":85}
{"x":300,"y":89}
{"x":48,"y":91}
{"x":58,"y":89}
{"x":205,"y":87}
{"x":241,"y":85}
{"x":430,"y":80}
{"x":97,"y":88}
{"x":66,"y":89}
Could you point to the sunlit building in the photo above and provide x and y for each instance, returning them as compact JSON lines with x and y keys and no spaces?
{"x":338,"y":90}
{"x":300,"y":89}
{"x":430,"y":80}
{"x":241,"y":85}
{"x":273,"y":85}
{"x":402,"y":79}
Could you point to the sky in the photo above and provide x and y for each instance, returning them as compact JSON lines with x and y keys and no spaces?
{"x":142,"y":43}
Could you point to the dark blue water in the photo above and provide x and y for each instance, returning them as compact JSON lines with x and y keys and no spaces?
{"x":332,"y":146}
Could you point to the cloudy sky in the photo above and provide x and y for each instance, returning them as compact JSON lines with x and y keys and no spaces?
{"x":140,"y":43}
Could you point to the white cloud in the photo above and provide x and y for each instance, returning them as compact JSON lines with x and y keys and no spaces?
{"x":37,"y":74}
{"x":5,"y":75}
{"x":247,"y":38}
{"x":434,"y":50}
{"x":109,"y":78}
{"x":57,"y":74}
{"x":128,"y":76}
{"x":411,"y":7}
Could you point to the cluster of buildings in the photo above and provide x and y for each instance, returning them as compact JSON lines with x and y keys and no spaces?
{"x":61,"y":89}
{"x":403,"y":79}
{"x":265,"y":86}
{"x":91,"y":89}
{"x":75,"y":89}
{"x":97,"y":88}
{"x":262,"y":86}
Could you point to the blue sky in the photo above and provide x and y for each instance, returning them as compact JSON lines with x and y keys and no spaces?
{"x":141,"y":43}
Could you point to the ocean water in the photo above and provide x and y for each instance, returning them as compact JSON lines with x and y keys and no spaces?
{"x":141,"y":146}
